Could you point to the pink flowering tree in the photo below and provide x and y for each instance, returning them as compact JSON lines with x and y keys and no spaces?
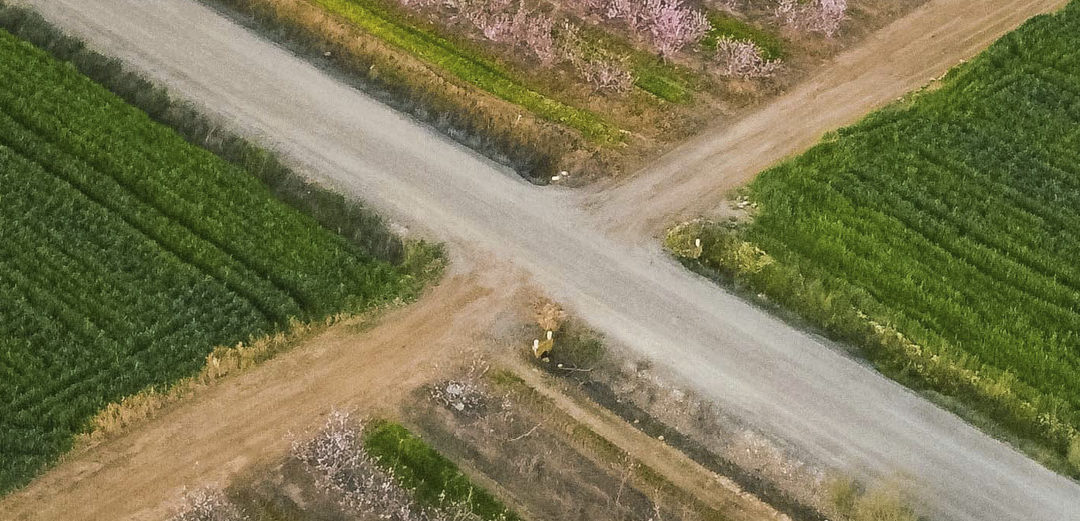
{"x":674,"y":26}
{"x":669,"y":25}
{"x":504,"y":21}
{"x":743,"y":59}
{"x":603,"y":72}
{"x":822,"y":16}
{"x":512,"y":22}
{"x":536,"y":33}
{"x":605,"y":75}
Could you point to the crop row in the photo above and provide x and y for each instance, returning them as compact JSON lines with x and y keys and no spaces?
{"x":127,"y":255}
{"x":951,"y":219}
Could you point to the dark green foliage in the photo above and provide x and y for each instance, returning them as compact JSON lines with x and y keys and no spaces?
{"x":333,"y":210}
{"x":434,"y":480}
{"x":953,"y":219}
{"x":127,"y":254}
{"x":727,"y":26}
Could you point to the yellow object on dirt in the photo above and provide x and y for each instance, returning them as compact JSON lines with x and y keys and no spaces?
{"x":541,"y":348}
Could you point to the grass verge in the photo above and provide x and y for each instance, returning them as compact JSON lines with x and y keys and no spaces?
{"x":468,"y":67}
{"x":580,"y":349}
{"x":434,"y":480}
{"x":723,"y":25}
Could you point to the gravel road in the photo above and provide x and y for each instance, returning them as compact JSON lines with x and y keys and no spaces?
{"x":776,"y":377}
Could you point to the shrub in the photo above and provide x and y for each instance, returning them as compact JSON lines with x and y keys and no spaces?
{"x":743,"y":59}
{"x":434,"y":480}
{"x":726,"y":26}
{"x":208,"y":505}
{"x":822,"y":16}
{"x":1074,"y":453}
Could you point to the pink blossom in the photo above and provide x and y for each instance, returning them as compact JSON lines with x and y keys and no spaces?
{"x":669,"y":25}
{"x":822,"y":16}
{"x":605,"y":75}
{"x":743,"y":59}
{"x":674,"y":26}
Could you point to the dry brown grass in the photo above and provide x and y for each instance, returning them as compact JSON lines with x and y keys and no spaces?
{"x":222,"y":362}
{"x":847,"y":500}
{"x":558,"y":464}
{"x":549,"y":316}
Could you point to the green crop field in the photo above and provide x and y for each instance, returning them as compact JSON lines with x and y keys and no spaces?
{"x":951,"y":218}
{"x":127,"y":254}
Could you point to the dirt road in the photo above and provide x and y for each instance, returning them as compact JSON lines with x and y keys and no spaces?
{"x":246,"y":419}
{"x":902,"y":57}
{"x":780,"y":379}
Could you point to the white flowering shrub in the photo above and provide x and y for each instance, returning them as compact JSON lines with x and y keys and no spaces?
{"x":743,"y":59}
{"x":669,"y":25}
{"x":208,"y":505}
{"x":461,"y":396}
{"x":336,"y":455}
{"x":822,"y":16}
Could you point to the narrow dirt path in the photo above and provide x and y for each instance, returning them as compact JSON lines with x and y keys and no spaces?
{"x":248,"y":419}
{"x":902,"y":57}
{"x":710,"y":488}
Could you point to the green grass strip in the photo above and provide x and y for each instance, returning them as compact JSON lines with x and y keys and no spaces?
{"x":665,"y":80}
{"x":435,"y":480}
{"x":727,"y":26}
{"x":468,"y":67}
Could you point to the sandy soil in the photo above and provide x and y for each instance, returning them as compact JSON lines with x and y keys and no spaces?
{"x":780,"y":380}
